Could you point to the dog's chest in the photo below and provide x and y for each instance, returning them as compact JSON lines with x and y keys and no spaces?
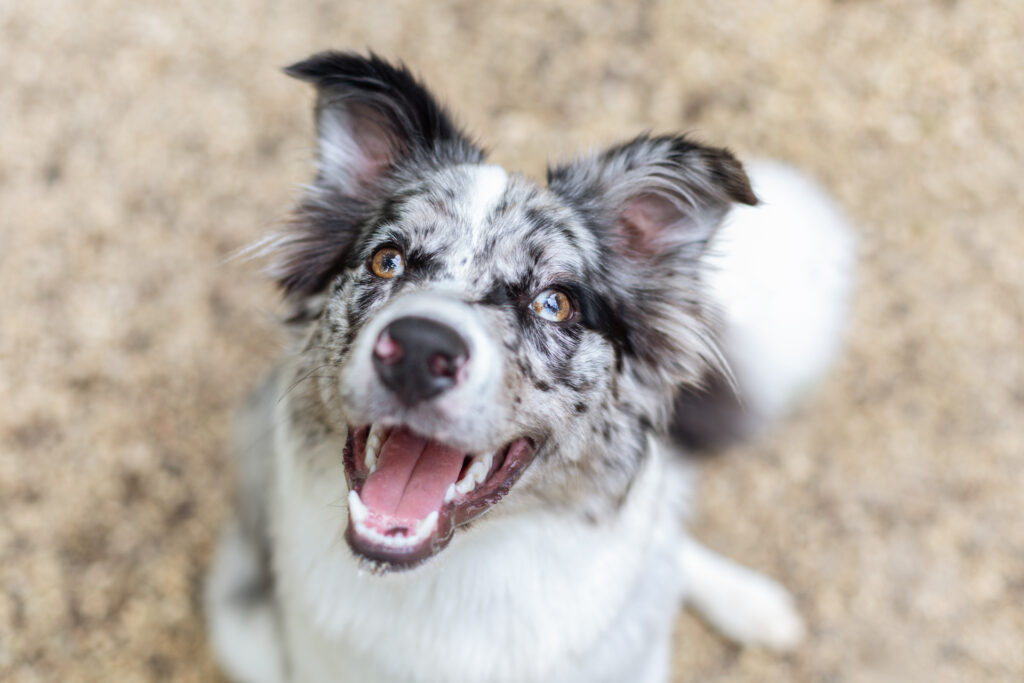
{"x":520,"y":599}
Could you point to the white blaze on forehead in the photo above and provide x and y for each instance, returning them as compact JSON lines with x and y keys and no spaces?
{"x":488,"y":187}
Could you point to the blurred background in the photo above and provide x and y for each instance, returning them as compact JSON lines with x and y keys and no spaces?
{"x":143,"y":142}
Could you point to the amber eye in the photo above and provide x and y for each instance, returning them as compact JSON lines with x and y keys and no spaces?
{"x":553,"y":305}
{"x":387,"y":262}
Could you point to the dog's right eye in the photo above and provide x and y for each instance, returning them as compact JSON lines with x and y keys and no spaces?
{"x":387,"y":262}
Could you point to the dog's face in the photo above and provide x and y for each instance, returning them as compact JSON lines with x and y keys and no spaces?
{"x":474,"y":334}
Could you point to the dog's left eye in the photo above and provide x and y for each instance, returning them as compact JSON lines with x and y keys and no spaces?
{"x":553,"y":305}
{"x":387,"y":262}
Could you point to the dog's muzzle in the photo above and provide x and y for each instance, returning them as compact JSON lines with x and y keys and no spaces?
{"x":425,"y":451}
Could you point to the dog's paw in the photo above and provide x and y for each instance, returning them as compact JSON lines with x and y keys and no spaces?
{"x":746,"y":606}
{"x":758,"y":611}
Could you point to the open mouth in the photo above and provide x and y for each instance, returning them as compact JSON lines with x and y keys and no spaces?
{"x":408,"y":493}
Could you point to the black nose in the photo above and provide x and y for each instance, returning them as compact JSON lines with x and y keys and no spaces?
{"x":417,"y":358}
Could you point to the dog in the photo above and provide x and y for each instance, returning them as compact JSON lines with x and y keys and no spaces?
{"x":469,"y":465}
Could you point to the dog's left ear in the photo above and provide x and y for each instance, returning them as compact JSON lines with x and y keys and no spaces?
{"x":654,"y":203}
{"x":654,"y":196}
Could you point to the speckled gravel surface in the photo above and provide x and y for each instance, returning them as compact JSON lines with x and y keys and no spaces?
{"x":143,"y":142}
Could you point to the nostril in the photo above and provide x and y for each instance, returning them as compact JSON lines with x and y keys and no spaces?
{"x":441,"y":365}
{"x":387,"y":349}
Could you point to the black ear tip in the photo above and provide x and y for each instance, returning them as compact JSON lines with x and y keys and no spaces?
{"x":744,"y":194}
{"x":313,"y":68}
{"x":323,"y":67}
{"x":741,"y":191}
{"x":737,"y":184}
{"x":294,"y":70}
{"x":732,"y":176}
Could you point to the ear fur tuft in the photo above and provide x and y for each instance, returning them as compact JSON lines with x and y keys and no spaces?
{"x":652,"y":193}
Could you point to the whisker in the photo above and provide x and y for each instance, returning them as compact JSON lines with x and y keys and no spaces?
{"x":308,"y":375}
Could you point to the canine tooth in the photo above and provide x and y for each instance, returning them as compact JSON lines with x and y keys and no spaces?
{"x":476,"y":474}
{"x":465,"y":484}
{"x":449,"y":495}
{"x":372,"y":447}
{"x":470,"y":480}
{"x":356,"y":509}
{"x":481,"y":466}
{"x":425,"y":526}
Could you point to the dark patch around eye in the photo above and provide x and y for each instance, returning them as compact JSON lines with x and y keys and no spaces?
{"x":499,"y":295}
{"x":422,"y":265}
{"x":503,"y":293}
{"x":597,"y":314}
{"x":373,"y":240}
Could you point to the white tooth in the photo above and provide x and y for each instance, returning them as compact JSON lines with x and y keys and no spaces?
{"x":466,"y":484}
{"x":372,"y":447}
{"x":482,"y":466}
{"x":356,"y":509}
{"x":477,"y":472}
{"x":426,"y":526}
{"x":479,"y":467}
{"x":449,"y":495}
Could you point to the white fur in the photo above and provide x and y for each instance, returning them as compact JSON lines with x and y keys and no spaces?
{"x":341,"y":157}
{"x":589,"y":603}
{"x":489,"y":185}
{"x":782,"y":272}
{"x":482,"y":610}
{"x":746,"y":606}
{"x":244,"y":635}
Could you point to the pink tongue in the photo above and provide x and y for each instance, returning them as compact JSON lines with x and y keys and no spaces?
{"x":412,"y":476}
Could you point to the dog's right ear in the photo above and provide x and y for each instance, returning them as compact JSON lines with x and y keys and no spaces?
{"x":372,"y":118}
{"x":655,"y":203}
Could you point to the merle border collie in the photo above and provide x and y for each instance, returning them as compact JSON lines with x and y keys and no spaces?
{"x":469,"y":465}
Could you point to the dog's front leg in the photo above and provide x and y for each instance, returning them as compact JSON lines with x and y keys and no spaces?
{"x":744,"y":605}
{"x":241,"y":616}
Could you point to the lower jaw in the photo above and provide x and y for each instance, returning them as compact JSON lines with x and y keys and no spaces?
{"x":379,"y":554}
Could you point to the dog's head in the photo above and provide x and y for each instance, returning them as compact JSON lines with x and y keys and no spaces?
{"x":474,"y":333}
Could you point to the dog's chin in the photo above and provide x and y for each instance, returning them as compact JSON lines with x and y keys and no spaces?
{"x":408,"y":493}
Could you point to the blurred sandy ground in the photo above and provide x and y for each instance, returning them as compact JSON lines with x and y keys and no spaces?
{"x":142,"y":142}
